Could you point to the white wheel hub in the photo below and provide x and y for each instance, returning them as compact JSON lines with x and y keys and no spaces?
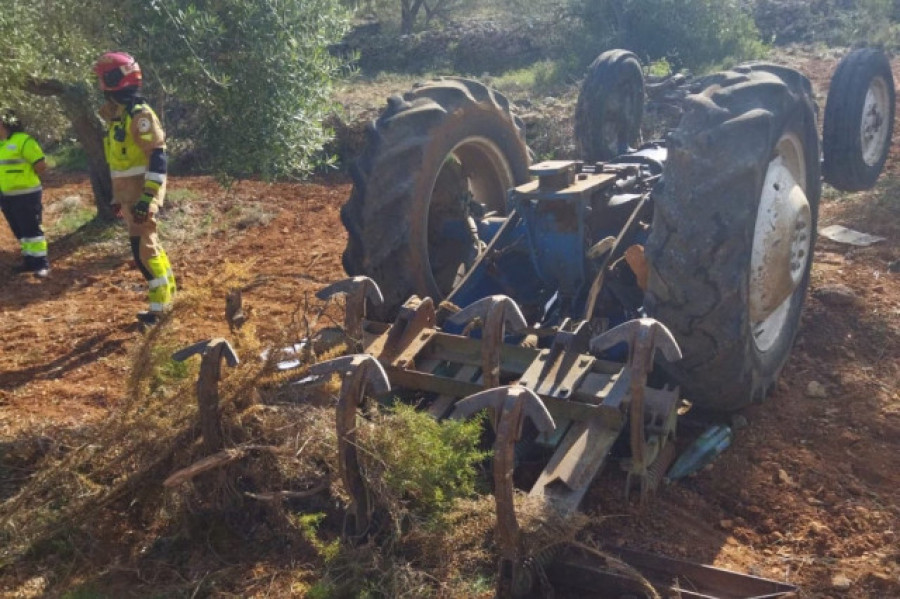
{"x":874,"y":127}
{"x":782,"y":240}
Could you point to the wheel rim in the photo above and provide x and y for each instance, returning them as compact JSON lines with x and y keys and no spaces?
{"x":782,"y":241}
{"x":874,"y":126}
{"x":477,"y":169}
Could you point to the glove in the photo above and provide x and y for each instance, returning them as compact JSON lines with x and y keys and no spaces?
{"x":117,"y":210}
{"x":141,"y":209}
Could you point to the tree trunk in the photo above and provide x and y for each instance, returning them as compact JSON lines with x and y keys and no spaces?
{"x":409,"y":10}
{"x":77,"y":106}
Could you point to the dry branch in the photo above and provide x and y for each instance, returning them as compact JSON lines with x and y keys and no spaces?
{"x":217,"y":460}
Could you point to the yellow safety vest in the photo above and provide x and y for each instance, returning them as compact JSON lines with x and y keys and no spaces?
{"x":17,"y":176}
{"x":124,"y":156}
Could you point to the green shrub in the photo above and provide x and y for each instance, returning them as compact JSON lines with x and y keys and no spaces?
{"x":69,"y":158}
{"x":693,"y":34}
{"x":421,"y":465}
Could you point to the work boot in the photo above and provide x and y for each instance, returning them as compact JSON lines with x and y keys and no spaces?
{"x":148,"y":318}
{"x":42,"y":273}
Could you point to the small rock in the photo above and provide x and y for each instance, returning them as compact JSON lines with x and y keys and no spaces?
{"x":738,"y":421}
{"x":784,"y":478}
{"x":839,"y":582}
{"x":726,"y":524}
{"x":836,"y":295}
{"x":816,"y":390}
{"x":818,"y":528}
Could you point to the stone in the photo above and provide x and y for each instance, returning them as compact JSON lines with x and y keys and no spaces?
{"x":816,"y":390}
{"x":836,"y":295}
{"x":840,"y":582}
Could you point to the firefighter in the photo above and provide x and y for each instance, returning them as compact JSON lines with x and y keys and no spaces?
{"x":21,"y":166}
{"x":135,"y":148}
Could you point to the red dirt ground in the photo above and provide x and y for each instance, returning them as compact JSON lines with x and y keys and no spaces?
{"x":806,"y":494}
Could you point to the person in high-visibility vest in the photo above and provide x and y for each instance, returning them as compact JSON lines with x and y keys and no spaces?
{"x":135,"y":146}
{"x":21,"y":166}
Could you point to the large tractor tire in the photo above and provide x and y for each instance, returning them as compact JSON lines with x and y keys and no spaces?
{"x":437,"y":158}
{"x":731,"y":242}
{"x":859,"y":120}
{"x":610,"y":107}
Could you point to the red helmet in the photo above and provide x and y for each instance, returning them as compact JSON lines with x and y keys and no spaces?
{"x":117,"y":71}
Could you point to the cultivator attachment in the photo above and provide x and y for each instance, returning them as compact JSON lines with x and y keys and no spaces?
{"x":578,"y":405}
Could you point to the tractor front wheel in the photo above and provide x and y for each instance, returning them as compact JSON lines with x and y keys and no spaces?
{"x":610,"y":106}
{"x":859,"y":120}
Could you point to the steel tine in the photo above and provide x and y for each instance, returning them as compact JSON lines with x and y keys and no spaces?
{"x":375,"y":376}
{"x":495,"y":399}
{"x":664,"y":341}
{"x":197,"y":348}
{"x":357,"y":290}
{"x":512,"y":314}
{"x":623,"y":333}
{"x":347,"y":286}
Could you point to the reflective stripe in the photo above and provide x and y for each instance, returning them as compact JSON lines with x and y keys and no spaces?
{"x":34,"y":246}
{"x":159,"y":282}
{"x":135,"y":170}
{"x":21,"y":192}
{"x":157,"y":307}
{"x":14,"y":161}
{"x":156,"y":177}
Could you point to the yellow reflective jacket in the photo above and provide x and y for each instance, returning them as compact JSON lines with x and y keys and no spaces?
{"x":18,"y":155}
{"x":130,"y":139}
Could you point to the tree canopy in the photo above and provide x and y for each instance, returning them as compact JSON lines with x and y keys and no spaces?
{"x":251,"y":78}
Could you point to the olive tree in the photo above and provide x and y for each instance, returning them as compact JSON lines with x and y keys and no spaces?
{"x":47,"y":50}
{"x":257,"y":74}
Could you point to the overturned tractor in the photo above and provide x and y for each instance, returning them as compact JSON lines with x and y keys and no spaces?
{"x":583,"y":303}
{"x":593,"y":297}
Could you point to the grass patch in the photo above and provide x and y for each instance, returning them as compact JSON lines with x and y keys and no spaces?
{"x":68,"y":216}
{"x":179,"y":196}
{"x":68,"y":158}
{"x":541,"y":78}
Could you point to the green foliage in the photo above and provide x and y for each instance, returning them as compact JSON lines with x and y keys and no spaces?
{"x":423,"y":464}
{"x":68,"y":158}
{"x":542,"y":77}
{"x":52,"y":40}
{"x":166,"y":372}
{"x":308,"y":524}
{"x":693,"y":34}
{"x":258,"y":71}
{"x":833,"y":22}
{"x":71,"y":219}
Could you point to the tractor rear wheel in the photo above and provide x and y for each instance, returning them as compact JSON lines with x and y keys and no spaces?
{"x":610,"y":106}
{"x":437,"y":159}
{"x":859,"y":120}
{"x":731,"y":242}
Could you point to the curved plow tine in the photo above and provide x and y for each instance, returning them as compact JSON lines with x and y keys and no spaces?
{"x":511,"y":405}
{"x":644,"y":336}
{"x":362,"y":374}
{"x":212,"y":352}
{"x":660,"y":336}
{"x":357,"y":290}
{"x":498,"y":314}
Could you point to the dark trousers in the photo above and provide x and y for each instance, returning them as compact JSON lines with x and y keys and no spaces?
{"x":24,"y":214}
